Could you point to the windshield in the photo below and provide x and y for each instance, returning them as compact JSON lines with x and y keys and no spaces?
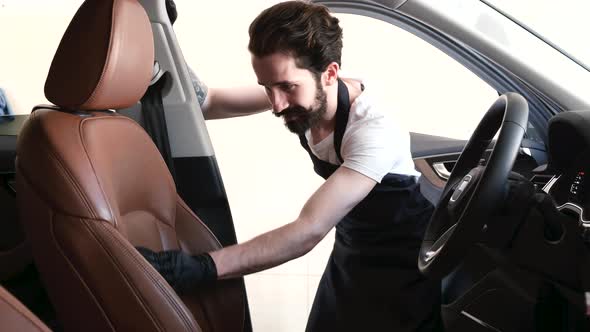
{"x":562,"y":23}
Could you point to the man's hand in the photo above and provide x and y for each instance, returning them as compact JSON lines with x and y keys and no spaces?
{"x":182,"y":271}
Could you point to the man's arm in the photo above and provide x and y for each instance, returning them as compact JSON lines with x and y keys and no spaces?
{"x":223,"y":103}
{"x":325,"y":208}
{"x":220,"y":103}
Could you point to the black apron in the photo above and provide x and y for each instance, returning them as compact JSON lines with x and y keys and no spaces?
{"x":371,"y":281}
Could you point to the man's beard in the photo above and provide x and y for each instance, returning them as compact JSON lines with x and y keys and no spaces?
{"x":302,"y":119}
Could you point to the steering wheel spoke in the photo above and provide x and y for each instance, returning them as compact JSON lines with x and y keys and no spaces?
{"x":439,"y":243}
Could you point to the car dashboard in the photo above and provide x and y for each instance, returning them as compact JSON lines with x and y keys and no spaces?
{"x":571,"y":190}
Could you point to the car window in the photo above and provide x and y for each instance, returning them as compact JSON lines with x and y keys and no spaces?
{"x":564,"y":23}
{"x":428,"y":91}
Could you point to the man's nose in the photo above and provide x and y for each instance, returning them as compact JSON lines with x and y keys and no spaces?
{"x":279,"y":102}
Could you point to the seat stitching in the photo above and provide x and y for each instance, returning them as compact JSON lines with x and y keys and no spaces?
{"x":116,"y":118}
{"x":156,"y":278}
{"x":87,"y":154}
{"x":185,"y":208}
{"x":101,"y":243}
{"x":65,"y":171}
{"x":82,"y":281}
{"x":24,"y":176}
{"x":60,"y":250}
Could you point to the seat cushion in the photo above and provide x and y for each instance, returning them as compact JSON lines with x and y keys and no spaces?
{"x":14,"y":316}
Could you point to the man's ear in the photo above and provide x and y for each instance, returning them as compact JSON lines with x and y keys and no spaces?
{"x":330,"y":75}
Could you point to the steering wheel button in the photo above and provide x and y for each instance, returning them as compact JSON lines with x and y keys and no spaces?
{"x":463,"y":185}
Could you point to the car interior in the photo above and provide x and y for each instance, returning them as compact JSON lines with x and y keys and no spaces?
{"x":90,"y":177}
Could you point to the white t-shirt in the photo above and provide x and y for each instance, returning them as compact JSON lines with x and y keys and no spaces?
{"x":373,"y":144}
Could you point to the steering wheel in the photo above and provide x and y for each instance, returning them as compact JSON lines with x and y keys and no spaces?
{"x":472,"y":191}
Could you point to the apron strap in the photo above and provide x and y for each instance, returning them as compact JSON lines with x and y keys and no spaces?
{"x":342,"y":112}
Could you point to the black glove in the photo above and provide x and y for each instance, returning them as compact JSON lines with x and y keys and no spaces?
{"x":182,"y":271}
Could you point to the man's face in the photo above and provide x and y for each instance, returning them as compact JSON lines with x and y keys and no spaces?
{"x":295,"y":94}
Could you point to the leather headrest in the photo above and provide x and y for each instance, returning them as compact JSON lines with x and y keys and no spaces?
{"x":104,"y":59}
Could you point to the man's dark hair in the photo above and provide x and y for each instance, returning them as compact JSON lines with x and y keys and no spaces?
{"x":304,"y":30}
{"x":171,"y":11}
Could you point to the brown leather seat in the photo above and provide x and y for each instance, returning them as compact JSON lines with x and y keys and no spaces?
{"x":91,"y":186}
{"x":16,"y":317}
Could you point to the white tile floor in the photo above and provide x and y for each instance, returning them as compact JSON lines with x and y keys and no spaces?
{"x":280,"y":298}
{"x":278,"y":302}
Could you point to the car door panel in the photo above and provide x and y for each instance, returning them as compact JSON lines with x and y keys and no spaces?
{"x":435,"y":157}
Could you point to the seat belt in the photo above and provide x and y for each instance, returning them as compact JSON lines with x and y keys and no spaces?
{"x":154,"y":119}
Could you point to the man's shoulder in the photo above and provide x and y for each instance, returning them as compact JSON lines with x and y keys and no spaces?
{"x":370,"y":119}
{"x":367,"y":108}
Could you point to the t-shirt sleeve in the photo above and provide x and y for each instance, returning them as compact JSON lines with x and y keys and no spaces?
{"x":200,"y":87}
{"x":374,"y":147}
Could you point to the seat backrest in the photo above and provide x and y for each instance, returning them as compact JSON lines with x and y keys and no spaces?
{"x":15,"y":317}
{"x":91,"y":186}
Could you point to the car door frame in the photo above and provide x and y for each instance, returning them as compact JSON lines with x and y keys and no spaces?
{"x":198,"y":178}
